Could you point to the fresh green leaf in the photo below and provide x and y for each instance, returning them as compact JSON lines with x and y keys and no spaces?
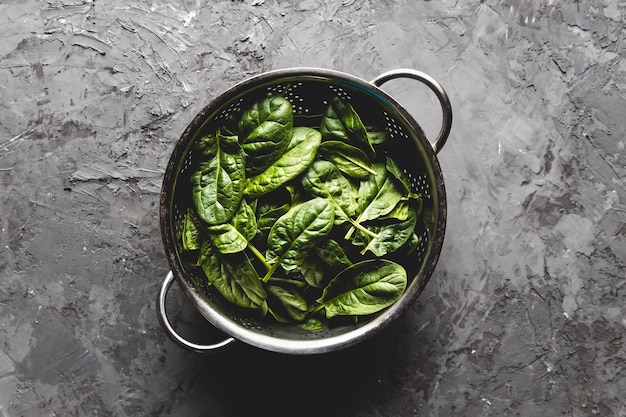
{"x":400,"y":211}
{"x":375,"y":135}
{"x":218,"y":185}
{"x":286,"y":304}
{"x":191,"y":236}
{"x":412,"y":244}
{"x":311,"y":324}
{"x":297,"y":157}
{"x":349,"y":159}
{"x":392,"y":235}
{"x":208,"y":146}
{"x":267,"y":214}
{"x":230,"y":128}
{"x":378,"y":196}
{"x":313,"y":271}
{"x":234,"y":236}
{"x":264,"y":132}
{"x":332,"y":254}
{"x":323,"y":262}
{"x":365,"y":288}
{"x":235,"y":278}
{"x":296,"y":232}
{"x":397,"y":173}
{"x":341,"y":122}
{"x":323,"y":179}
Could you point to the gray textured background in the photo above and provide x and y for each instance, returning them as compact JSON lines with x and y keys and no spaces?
{"x":524,"y":315}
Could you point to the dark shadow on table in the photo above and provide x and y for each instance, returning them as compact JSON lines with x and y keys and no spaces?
{"x":386,"y":375}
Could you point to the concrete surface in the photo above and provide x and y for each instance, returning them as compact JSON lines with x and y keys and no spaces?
{"x":525,"y":313}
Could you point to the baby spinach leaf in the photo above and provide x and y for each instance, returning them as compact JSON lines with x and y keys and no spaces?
{"x":269,"y":208}
{"x":400,"y":211}
{"x":191,"y":236}
{"x":311,"y":324}
{"x":267,"y":214}
{"x":218,"y":185}
{"x":264,"y":132}
{"x":332,"y":254}
{"x":297,"y":157}
{"x":392,"y":235}
{"x":349,"y":159}
{"x":323,"y":262}
{"x":341,"y":122}
{"x":296,"y":232}
{"x":235,"y":278}
{"x":375,"y":135}
{"x":230,"y":128}
{"x":397,"y":173}
{"x":412,"y":244}
{"x":312,"y":271}
{"x":323,"y":179}
{"x":209,"y":145}
{"x":234,"y":236}
{"x":378,"y":196}
{"x":286,"y":304}
{"x":364,"y":288}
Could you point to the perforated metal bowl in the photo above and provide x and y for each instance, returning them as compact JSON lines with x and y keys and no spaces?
{"x":309,"y":90}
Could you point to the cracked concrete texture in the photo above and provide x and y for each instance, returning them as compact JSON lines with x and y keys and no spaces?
{"x":524,"y":314}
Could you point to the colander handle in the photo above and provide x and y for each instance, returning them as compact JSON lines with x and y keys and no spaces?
{"x":169,"y":330}
{"x":435,"y":87}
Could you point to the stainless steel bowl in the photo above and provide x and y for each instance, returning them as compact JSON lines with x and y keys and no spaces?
{"x":309,"y":90}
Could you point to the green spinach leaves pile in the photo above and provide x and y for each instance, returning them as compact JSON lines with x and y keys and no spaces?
{"x":302,"y":223}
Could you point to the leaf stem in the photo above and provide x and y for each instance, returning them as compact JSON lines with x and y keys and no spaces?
{"x":352,"y":222}
{"x":271,"y":270}
{"x":259,"y":256}
{"x":349,"y":233}
{"x":361,"y":228}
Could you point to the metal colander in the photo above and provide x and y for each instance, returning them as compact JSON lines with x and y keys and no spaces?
{"x":309,"y":91}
